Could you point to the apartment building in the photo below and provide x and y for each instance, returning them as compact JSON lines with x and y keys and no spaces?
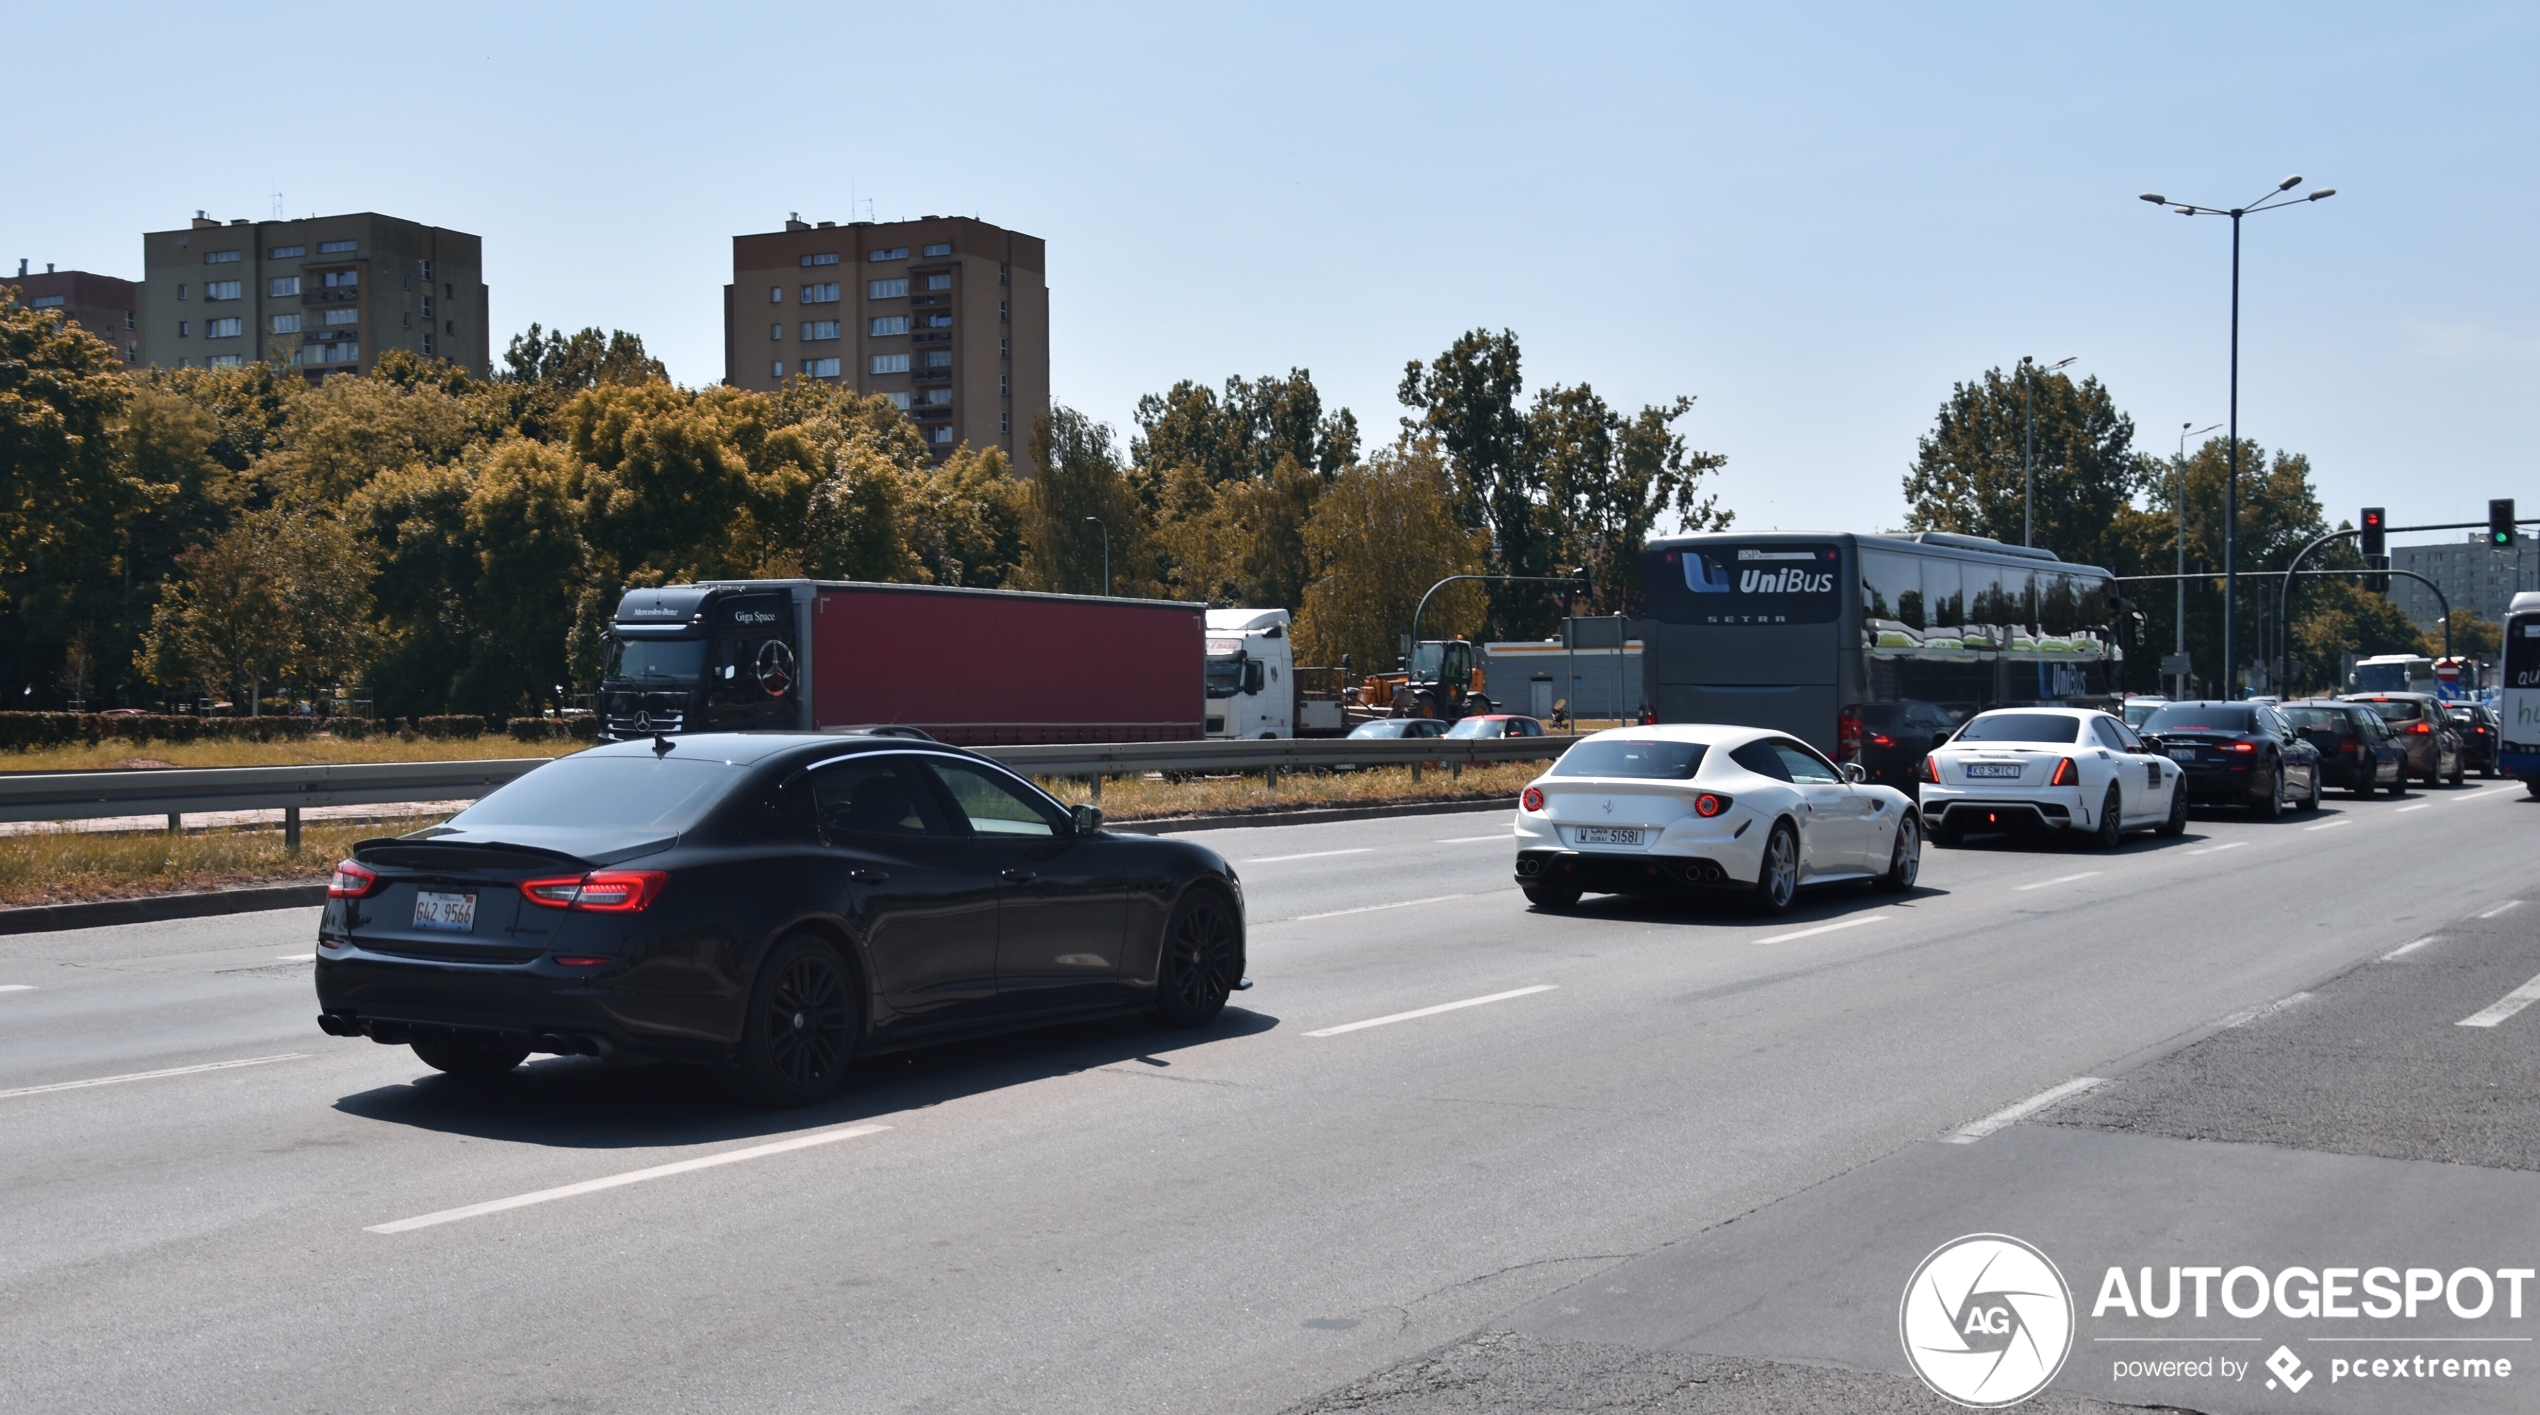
{"x":2472,"y":573}
{"x":101,"y":304}
{"x":325,"y":294}
{"x":947,"y":316}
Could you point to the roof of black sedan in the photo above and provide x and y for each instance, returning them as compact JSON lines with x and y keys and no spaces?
{"x":751,"y":748}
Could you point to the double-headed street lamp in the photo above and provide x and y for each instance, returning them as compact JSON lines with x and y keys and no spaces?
{"x":2186,"y":430}
{"x":2275,"y":200}
{"x":2029,"y":370}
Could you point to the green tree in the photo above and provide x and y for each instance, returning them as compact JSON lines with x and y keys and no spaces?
{"x":1608,"y":480}
{"x":1382,"y":534}
{"x":2473,"y":636}
{"x":1467,"y":399}
{"x":1967,"y":475}
{"x":1081,"y":477}
{"x":223,"y":627}
{"x":543,"y":369}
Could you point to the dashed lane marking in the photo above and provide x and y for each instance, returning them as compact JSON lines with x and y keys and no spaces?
{"x":1969,"y":1133}
{"x":632,"y":1176}
{"x":1431,"y":1011}
{"x":2328,"y":825}
{"x":295,"y":958}
{"x":2503,"y":1007}
{"x":1503,"y":836}
{"x":2419,"y":806}
{"x":2407,"y":948}
{"x":1372,"y":908}
{"x":2226,"y":845}
{"x":2507,"y":907}
{"x":1310,"y":855}
{"x":17,"y":987}
{"x":2247,"y":1015}
{"x":153,"y":1075}
{"x":2059,"y":879}
{"x":1853,"y":923}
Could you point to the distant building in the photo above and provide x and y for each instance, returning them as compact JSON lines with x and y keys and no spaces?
{"x":2473,"y":575}
{"x":947,"y":316}
{"x":101,"y":304}
{"x":327,"y":294}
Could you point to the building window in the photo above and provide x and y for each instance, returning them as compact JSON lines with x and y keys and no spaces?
{"x":127,"y":319}
{"x":287,"y":252}
{"x":427,"y":341}
{"x":223,"y":328}
{"x":220,"y":257}
{"x":184,"y":329}
{"x":220,"y":289}
{"x":1005,"y":422}
{"x":1003,"y":390}
{"x":427,"y":305}
{"x":49,"y":302}
{"x":940,"y":248}
{"x":820,"y":294}
{"x":890,"y":363}
{"x":894,"y":253}
{"x":343,"y":353}
{"x":449,"y":291}
{"x":132,"y":353}
{"x":338,"y":247}
{"x":286,"y":324}
{"x":1001,"y":273}
{"x":821,"y":329}
{"x":180,"y":292}
{"x":941,"y":435}
{"x":1002,"y":351}
{"x":282,"y":285}
{"x":885,"y":289}
{"x":939,"y":282}
{"x":823,"y":258}
{"x":821,"y":368}
{"x":777,"y":331}
{"x":405,"y":321}
{"x":883,"y":326}
{"x":939,"y":358}
{"x":776,"y":294}
{"x":939,"y":397}
{"x":939,"y":321}
{"x":226,"y":360}
{"x":423,"y":272}
{"x":1001,"y":314}
{"x":449,"y":326}
{"x":343,"y":316}
{"x":776,"y":369}
{"x":340,"y":279}
{"x":899,"y":401}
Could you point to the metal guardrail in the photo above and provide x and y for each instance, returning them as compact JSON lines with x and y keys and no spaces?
{"x":95,"y":795}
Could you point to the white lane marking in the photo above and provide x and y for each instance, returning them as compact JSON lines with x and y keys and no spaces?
{"x":296,"y":957}
{"x":1969,"y":1133}
{"x":632,"y":1176}
{"x":2419,"y":806}
{"x":2509,"y":904}
{"x":17,"y":987}
{"x":2328,"y":825}
{"x":1310,"y":855}
{"x":1477,"y":839}
{"x":1431,"y":1011}
{"x":2407,"y":948}
{"x":2059,"y":879}
{"x":2252,"y":1014}
{"x":2227,"y":845}
{"x":1371,"y":908}
{"x":2503,"y":1007}
{"x":1824,"y":929}
{"x":154,"y":1075}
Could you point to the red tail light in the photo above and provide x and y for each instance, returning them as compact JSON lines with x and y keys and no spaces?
{"x":351,"y":881}
{"x":2349,"y":747}
{"x":1881,"y":739}
{"x":599,"y":892}
{"x":2066,"y":774}
{"x":1931,"y":770}
{"x":1847,"y":734}
{"x":2241,"y":747}
{"x":1708,"y":804}
{"x":2421,"y":729}
{"x":1532,"y":800}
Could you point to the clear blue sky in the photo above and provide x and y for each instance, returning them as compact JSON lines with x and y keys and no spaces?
{"x":1812,"y":221}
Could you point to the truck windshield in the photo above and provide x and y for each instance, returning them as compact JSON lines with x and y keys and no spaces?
{"x":656,"y":658}
{"x":1225,"y":676}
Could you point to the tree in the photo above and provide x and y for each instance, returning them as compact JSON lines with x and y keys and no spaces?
{"x":1383,"y":533}
{"x":544,"y":369}
{"x":1967,"y":476}
{"x":223,"y":627}
{"x":1467,"y":397}
{"x":1607,"y":481}
{"x":1081,"y":477}
{"x":2473,"y":636}
{"x":1243,"y":436}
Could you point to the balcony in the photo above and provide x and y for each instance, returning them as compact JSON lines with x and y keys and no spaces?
{"x":340,"y":296}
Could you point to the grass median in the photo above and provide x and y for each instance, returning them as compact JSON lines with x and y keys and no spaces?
{"x":111,"y":755}
{"x":69,"y":866}
{"x":1128,"y":798}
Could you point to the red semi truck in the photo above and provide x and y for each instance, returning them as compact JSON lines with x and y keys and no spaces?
{"x":971,"y":667}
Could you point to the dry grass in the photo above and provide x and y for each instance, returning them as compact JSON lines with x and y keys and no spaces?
{"x":313,"y":751}
{"x":57,"y":867}
{"x":1144,"y":798}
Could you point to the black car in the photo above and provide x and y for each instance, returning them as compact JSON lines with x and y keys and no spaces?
{"x":2238,"y":754}
{"x":2417,"y":722}
{"x":2356,"y":750}
{"x":1895,"y":737}
{"x":778,"y":903}
{"x":2481,"y":732}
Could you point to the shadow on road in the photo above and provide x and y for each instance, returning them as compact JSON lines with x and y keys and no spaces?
{"x":576,"y":1103}
{"x":1817,"y":904}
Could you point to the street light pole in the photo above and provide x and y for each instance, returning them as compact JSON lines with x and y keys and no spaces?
{"x":1106,"y":554}
{"x":2183,"y":435}
{"x":2231,"y":486}
{"x":2028,"y":448}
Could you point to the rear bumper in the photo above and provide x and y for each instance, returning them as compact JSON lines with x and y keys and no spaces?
{"x":393,"y":1000}
{"x":1968,"y":813}
{"x":1625,"y":874}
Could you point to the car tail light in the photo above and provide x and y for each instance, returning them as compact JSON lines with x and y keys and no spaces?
{"x":1847,"y":734}
{"x":2066,"y":774}
{"x":577,"y":960}
{"x":351,"y":881}
{"x":599,"y":892}
{"x":1709,"y":804}
{"x":1881,"y":739}
{"x":1931,"y":770}
{"x":2422,"y":730}
{"x":2349,"y":747}
{"x":2241,"y":747}
{"x":1532,"y":800}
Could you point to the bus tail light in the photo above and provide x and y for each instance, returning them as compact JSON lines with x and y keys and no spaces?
{"x":2066,"y":774}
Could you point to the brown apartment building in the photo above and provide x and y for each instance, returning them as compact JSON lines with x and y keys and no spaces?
{"x":101,"y":304}
{"x":947,"y":316}
{"x":325,"y":294}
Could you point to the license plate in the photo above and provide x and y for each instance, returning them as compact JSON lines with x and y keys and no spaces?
{"x":1993,"y":771}
{"x":2182,"y":754}
{"x":1606,"y":835}
{"x":455,"y":913}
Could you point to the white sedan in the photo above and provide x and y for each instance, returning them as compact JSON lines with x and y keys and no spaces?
{"x":2044,"y":768}
{"x":1687,"y":806}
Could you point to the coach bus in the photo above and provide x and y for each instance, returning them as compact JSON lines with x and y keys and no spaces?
{"x":1888,"y":639}
{"x":2518,"y":697}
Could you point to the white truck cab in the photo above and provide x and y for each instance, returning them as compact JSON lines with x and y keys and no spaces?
{"x":1251,"y":674}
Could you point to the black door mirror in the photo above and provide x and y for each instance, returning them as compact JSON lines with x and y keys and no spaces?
{"x":1086,"y":816}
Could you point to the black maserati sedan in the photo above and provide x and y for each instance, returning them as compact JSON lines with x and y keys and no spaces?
{"x":775,"y":903}
{"x":2238,"y":754}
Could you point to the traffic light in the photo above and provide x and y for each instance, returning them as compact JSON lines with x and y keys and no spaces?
{"x":2375,"y":524}
{"x":2377,"y":583}
{"x":2500,"y":523}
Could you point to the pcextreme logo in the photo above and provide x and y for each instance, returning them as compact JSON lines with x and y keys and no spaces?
{"x":1986,"y":1320}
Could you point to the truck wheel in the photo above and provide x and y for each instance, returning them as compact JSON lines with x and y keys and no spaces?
{"x":1196,"y":973}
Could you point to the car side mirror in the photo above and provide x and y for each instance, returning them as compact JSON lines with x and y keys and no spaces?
{"x":1855,"y":773}
{"x":1087,"y":816}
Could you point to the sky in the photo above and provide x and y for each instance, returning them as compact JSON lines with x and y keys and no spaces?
{"x":1811,"y":220}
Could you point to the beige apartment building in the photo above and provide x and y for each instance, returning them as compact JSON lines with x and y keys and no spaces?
{"x":325,"y":294}
{"x":947,"y":316}
{"x":104,"y":305}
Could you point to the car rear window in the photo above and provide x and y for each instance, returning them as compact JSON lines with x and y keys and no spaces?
{"x":1478,"y":727}
{"x":663,"y":793}
{"x":2320,"y":720}
{"x":2021,"y":727}
{"x":2201,"y":717}
{"x":2397,"y":709}
{"x":1629,"y":756}
{"x":1378,"y":729}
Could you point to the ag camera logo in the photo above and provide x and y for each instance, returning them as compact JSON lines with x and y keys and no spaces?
{"x":1987,"y":1320}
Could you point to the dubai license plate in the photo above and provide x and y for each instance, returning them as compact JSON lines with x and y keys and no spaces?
{"x":2182,"y":754}
{"x":1993,"y":771}
{"x":1607,"y":835}
{"x":454,"y":913}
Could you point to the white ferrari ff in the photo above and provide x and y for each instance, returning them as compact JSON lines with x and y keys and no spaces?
{"x":1687,"y":806}
{"x":2063,"y":769}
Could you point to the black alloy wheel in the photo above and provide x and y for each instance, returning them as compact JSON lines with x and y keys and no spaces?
{"x":1197,"y":972}
{"x":1905,"y":857}
{"x":1777,"y":881}
{"x":1551,"y":896}
{"x":468,"y":1061}
{"x":2111,"y":831}
{"x":2176,"y":825}
{"x":2311,"y":801}
{"x":804,"y":1021}
{"x":2271,"y":805}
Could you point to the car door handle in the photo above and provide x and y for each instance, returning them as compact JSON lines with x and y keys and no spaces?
{"x":1019,"y":876}
{"x":870,"y":876}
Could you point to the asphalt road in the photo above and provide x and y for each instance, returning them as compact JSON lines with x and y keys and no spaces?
{"x":1685,"y":1159}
